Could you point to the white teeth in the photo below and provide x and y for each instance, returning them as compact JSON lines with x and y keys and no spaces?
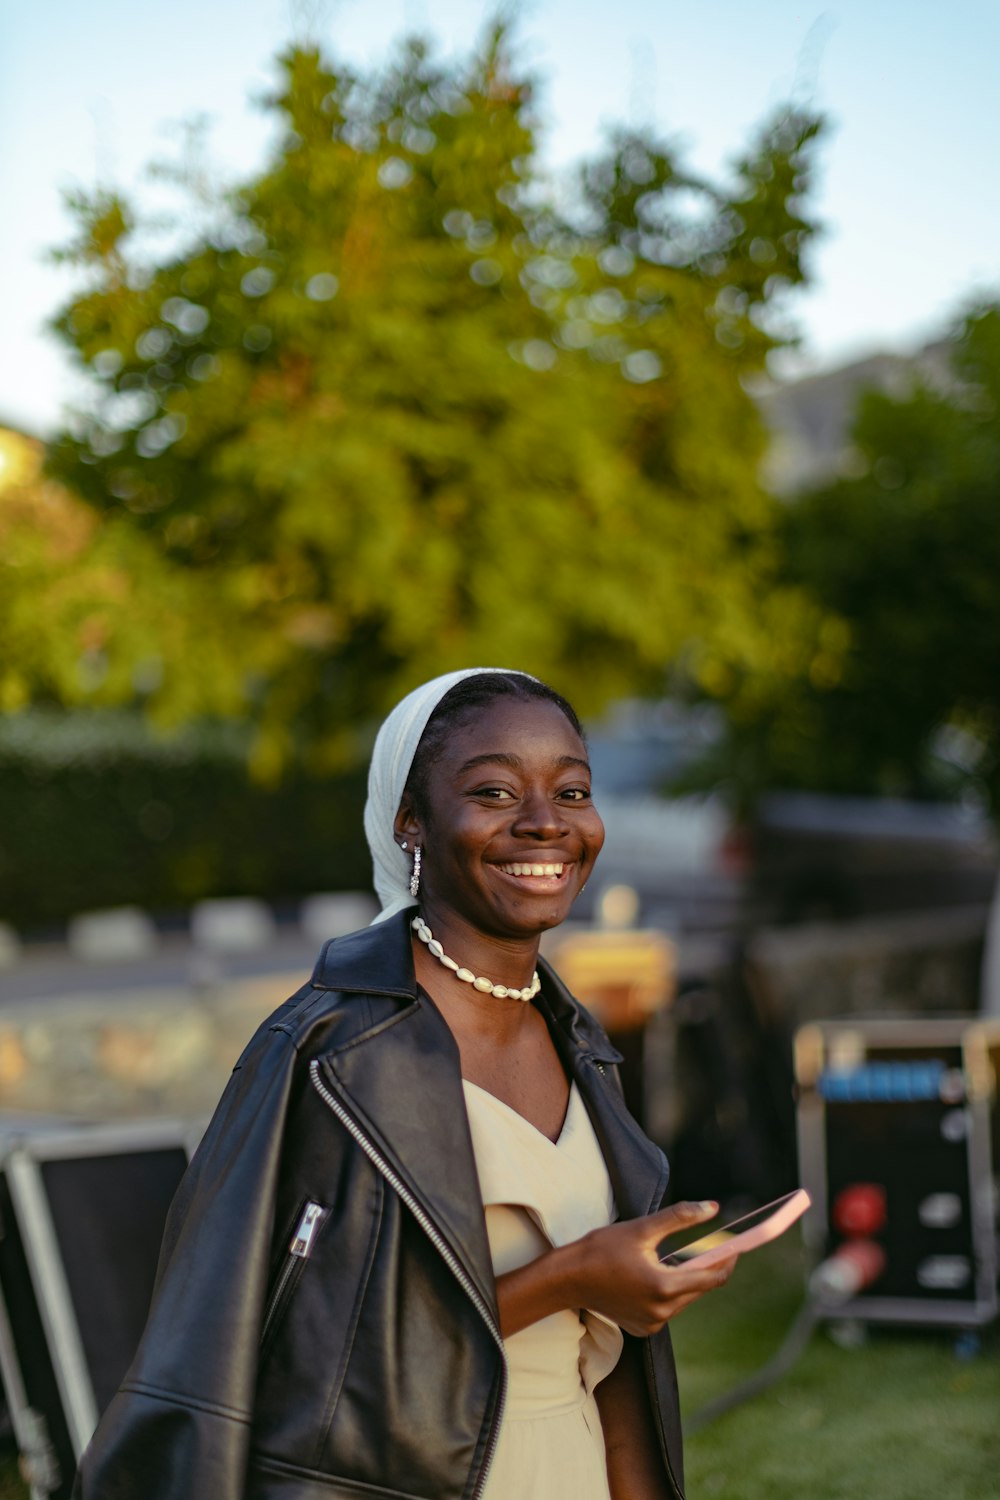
{"x":533,"y":869}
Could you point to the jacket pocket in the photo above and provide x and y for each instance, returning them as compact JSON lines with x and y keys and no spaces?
{"x":290,"y":1273}
{"x":271,"y":1479}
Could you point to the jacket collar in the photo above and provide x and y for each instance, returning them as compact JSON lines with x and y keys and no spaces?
{"x":400,"y":1081}
{"x":378,"y":960}
{"x":637,"y":1168}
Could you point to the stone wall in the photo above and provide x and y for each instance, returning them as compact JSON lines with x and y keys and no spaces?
{"x":157,"y":1052}
{"x":169,"y":1052}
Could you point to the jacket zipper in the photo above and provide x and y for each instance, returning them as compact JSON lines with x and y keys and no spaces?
{"x":443,"y":1249}
{"x":299,"y":1251}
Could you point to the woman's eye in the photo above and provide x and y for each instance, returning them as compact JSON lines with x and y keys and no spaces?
{"x":493,"y":793}
{"x":576,"y":794}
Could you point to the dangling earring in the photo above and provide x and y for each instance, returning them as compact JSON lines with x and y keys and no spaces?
{"x":415,"y":877}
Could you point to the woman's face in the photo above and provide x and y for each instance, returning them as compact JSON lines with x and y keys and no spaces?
{"x":508,"y":830}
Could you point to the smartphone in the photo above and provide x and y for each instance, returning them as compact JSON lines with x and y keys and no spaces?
{"x":753,"y":1229}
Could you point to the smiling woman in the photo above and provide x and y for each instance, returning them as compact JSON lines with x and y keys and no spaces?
{"x":416,"y":1253}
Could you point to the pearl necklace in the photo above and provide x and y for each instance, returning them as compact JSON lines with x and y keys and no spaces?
{"x":485,"y":986}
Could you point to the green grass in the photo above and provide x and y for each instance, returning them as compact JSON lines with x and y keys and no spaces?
{"x":901,"y":1418}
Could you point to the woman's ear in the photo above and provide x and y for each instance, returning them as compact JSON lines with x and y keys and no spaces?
{"x":407,"y":825}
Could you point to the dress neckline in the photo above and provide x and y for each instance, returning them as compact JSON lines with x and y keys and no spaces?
{"x":565,"y":1129}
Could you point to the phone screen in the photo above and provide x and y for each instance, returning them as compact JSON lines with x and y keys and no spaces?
{"x":755,"y":1228}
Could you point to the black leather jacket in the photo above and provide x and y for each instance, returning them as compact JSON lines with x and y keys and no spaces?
{"x":365,"y":1360}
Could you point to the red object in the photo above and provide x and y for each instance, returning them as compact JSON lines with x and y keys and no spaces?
{"x":849,"y":1270}
{"x":860,"y":1209}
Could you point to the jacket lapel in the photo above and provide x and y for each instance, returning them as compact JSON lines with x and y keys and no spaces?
{"x":401,"y":1084}
{"x":637,"y":1168}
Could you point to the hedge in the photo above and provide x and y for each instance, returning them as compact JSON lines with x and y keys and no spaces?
{"x":97,"y":812}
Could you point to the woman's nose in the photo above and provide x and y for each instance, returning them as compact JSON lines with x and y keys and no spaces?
{"x":539,"y":817}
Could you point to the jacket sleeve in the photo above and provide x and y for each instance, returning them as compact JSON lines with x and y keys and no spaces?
{"x":180,"y":1424}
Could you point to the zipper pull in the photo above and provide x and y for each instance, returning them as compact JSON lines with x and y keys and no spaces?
{"x":302,"y":1240}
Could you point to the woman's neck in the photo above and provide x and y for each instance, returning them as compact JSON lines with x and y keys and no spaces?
{"x":509,"y":960}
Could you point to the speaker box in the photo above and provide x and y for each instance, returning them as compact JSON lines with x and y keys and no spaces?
{"x":81,"y":1219}
{"x":899,"y":1142}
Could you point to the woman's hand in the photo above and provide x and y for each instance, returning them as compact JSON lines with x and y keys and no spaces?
{"x":619,"y":1272}
{"x":615,"y":1271}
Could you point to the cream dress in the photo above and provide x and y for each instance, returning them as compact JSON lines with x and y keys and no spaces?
{"x":539,"y":1193}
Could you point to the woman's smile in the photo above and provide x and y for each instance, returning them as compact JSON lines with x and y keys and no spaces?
{"x":540,"y":876}
{"x":533,"y":869}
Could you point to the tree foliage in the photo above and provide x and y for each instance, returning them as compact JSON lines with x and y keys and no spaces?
{"x":398,"y":407}
{"x":904,"y":561}
{"x":89,"y":609}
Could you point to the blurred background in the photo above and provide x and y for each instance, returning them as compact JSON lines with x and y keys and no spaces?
{"x":651,"y":349}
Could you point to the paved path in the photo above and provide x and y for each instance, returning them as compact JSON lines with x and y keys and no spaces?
{"x":52,"y":972}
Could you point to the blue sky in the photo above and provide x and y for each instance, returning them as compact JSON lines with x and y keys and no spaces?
{"x":908,"y":190}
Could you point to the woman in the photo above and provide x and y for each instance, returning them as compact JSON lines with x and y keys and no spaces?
{"x":335,"y":1314}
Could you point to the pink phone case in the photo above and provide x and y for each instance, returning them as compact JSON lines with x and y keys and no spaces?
{"x":729,"y":1239}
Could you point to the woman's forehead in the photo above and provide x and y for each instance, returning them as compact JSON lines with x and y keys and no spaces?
{"x":513,"y":730}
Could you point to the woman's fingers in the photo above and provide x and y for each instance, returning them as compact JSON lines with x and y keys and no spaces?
{"x":678,"y":1289}
{"x":642,"y":1327}
{"x":694,"y":1277}
{"x":678,"y":1216}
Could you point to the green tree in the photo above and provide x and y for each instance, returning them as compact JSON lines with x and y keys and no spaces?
{"x":392,"y":411}
{"x":904,"y":560}
{"x":89,"y":609}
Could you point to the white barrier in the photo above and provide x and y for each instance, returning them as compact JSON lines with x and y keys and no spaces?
{"x":10,"y":946}
{"x":235,"y":925}
{"x":117,"y":934}
{"x":331,"y":914}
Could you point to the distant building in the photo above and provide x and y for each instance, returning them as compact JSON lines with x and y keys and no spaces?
{"x":810,"y":419}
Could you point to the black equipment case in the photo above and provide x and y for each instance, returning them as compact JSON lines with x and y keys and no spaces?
{"x":81,"y":1218}
{"x":898,"y":1127}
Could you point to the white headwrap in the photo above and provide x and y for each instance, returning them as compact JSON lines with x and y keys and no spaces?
{"x":395,"y":746}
